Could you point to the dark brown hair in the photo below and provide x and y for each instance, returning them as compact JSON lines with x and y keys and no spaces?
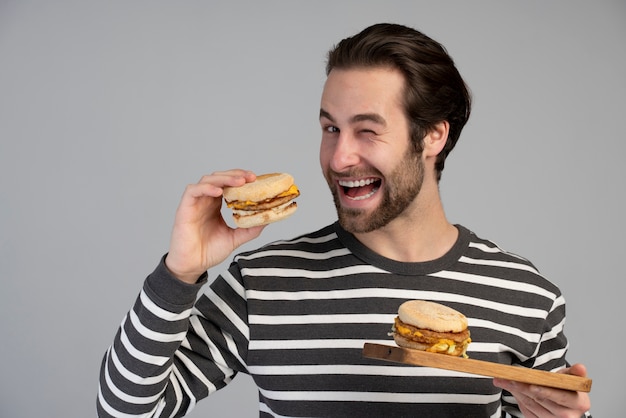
{"x":434,"y":89}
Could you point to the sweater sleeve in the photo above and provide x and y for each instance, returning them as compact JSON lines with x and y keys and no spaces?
{"x":550,"y":354}
{"x":155,"y":366}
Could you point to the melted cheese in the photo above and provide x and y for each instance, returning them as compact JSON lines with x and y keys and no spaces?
{"x":443,"y":345}
{"x":239,"y":204}
{"x":406,"y":332}
{"x":292,"y":190}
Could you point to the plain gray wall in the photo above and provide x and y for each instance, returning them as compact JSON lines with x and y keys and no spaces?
{"x":108,"y":109}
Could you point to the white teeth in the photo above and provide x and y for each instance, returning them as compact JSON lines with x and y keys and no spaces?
{"x":363,"y":197}
{"x":358,"y":183}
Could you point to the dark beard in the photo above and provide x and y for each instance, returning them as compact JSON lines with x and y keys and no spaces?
{"x":401,"y":188}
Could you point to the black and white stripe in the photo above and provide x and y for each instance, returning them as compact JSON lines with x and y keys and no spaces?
{"x":295,"y":315}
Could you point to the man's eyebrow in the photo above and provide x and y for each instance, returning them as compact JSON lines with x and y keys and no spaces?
{"x":372,"y":117}
{"x":325,"y":114}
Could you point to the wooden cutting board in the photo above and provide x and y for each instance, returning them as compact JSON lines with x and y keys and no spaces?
{"x":479,"y":367}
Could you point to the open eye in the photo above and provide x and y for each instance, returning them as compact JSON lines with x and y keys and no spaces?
{"x":331,"y":129}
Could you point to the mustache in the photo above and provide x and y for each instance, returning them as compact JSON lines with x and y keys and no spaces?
{"x":353,"y":173}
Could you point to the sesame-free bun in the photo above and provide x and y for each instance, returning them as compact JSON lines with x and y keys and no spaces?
{"x":265,"y":186}
{"x":264,"y":217}
{"x":432,"y":316}
{"x":267,"y":199}
{"x":432,"y":327}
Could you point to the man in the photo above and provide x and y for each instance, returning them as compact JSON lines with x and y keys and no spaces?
{"x":295,"y":314}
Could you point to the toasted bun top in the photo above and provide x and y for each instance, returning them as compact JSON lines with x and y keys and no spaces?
{"x":431,"y":315}
{"x":264,"y":187}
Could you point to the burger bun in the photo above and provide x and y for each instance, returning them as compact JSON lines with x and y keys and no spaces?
{"x":267,"y":199}
{"x":266,"y":216}
{"x":266,"y":186}
{"x":432,"y":316}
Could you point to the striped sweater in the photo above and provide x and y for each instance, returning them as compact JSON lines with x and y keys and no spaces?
{"x":295,"y":315}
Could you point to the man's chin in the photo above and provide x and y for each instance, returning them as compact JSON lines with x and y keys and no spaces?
{"x":357,"y":221}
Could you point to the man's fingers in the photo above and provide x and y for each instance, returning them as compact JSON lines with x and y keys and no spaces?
{"x":577,"y":369}
{"x":232,"y":178}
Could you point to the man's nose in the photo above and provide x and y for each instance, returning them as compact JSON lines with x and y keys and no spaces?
{"x":345,"y":153}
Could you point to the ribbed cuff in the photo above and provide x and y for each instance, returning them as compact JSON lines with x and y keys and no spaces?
{"x":174,"y":294}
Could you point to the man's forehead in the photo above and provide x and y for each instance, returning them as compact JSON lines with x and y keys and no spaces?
{"x":358,"y":117}
{"x":364,"y":87}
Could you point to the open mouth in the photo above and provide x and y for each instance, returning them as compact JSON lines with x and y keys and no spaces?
{"x":360,"y":189}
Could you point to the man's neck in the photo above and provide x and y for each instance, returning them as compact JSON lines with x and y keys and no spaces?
{"x":420,"y":234}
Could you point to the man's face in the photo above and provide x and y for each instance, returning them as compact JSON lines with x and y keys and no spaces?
{"x":366,"y":157}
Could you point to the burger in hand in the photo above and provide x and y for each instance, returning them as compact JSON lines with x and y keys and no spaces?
{"x":430,"y":326}
{"x":267,"y":199}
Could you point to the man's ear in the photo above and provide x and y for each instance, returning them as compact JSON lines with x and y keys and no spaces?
{"x":436,"y":139}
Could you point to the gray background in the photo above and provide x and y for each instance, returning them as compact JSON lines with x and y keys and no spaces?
{"x":108,"y":109}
